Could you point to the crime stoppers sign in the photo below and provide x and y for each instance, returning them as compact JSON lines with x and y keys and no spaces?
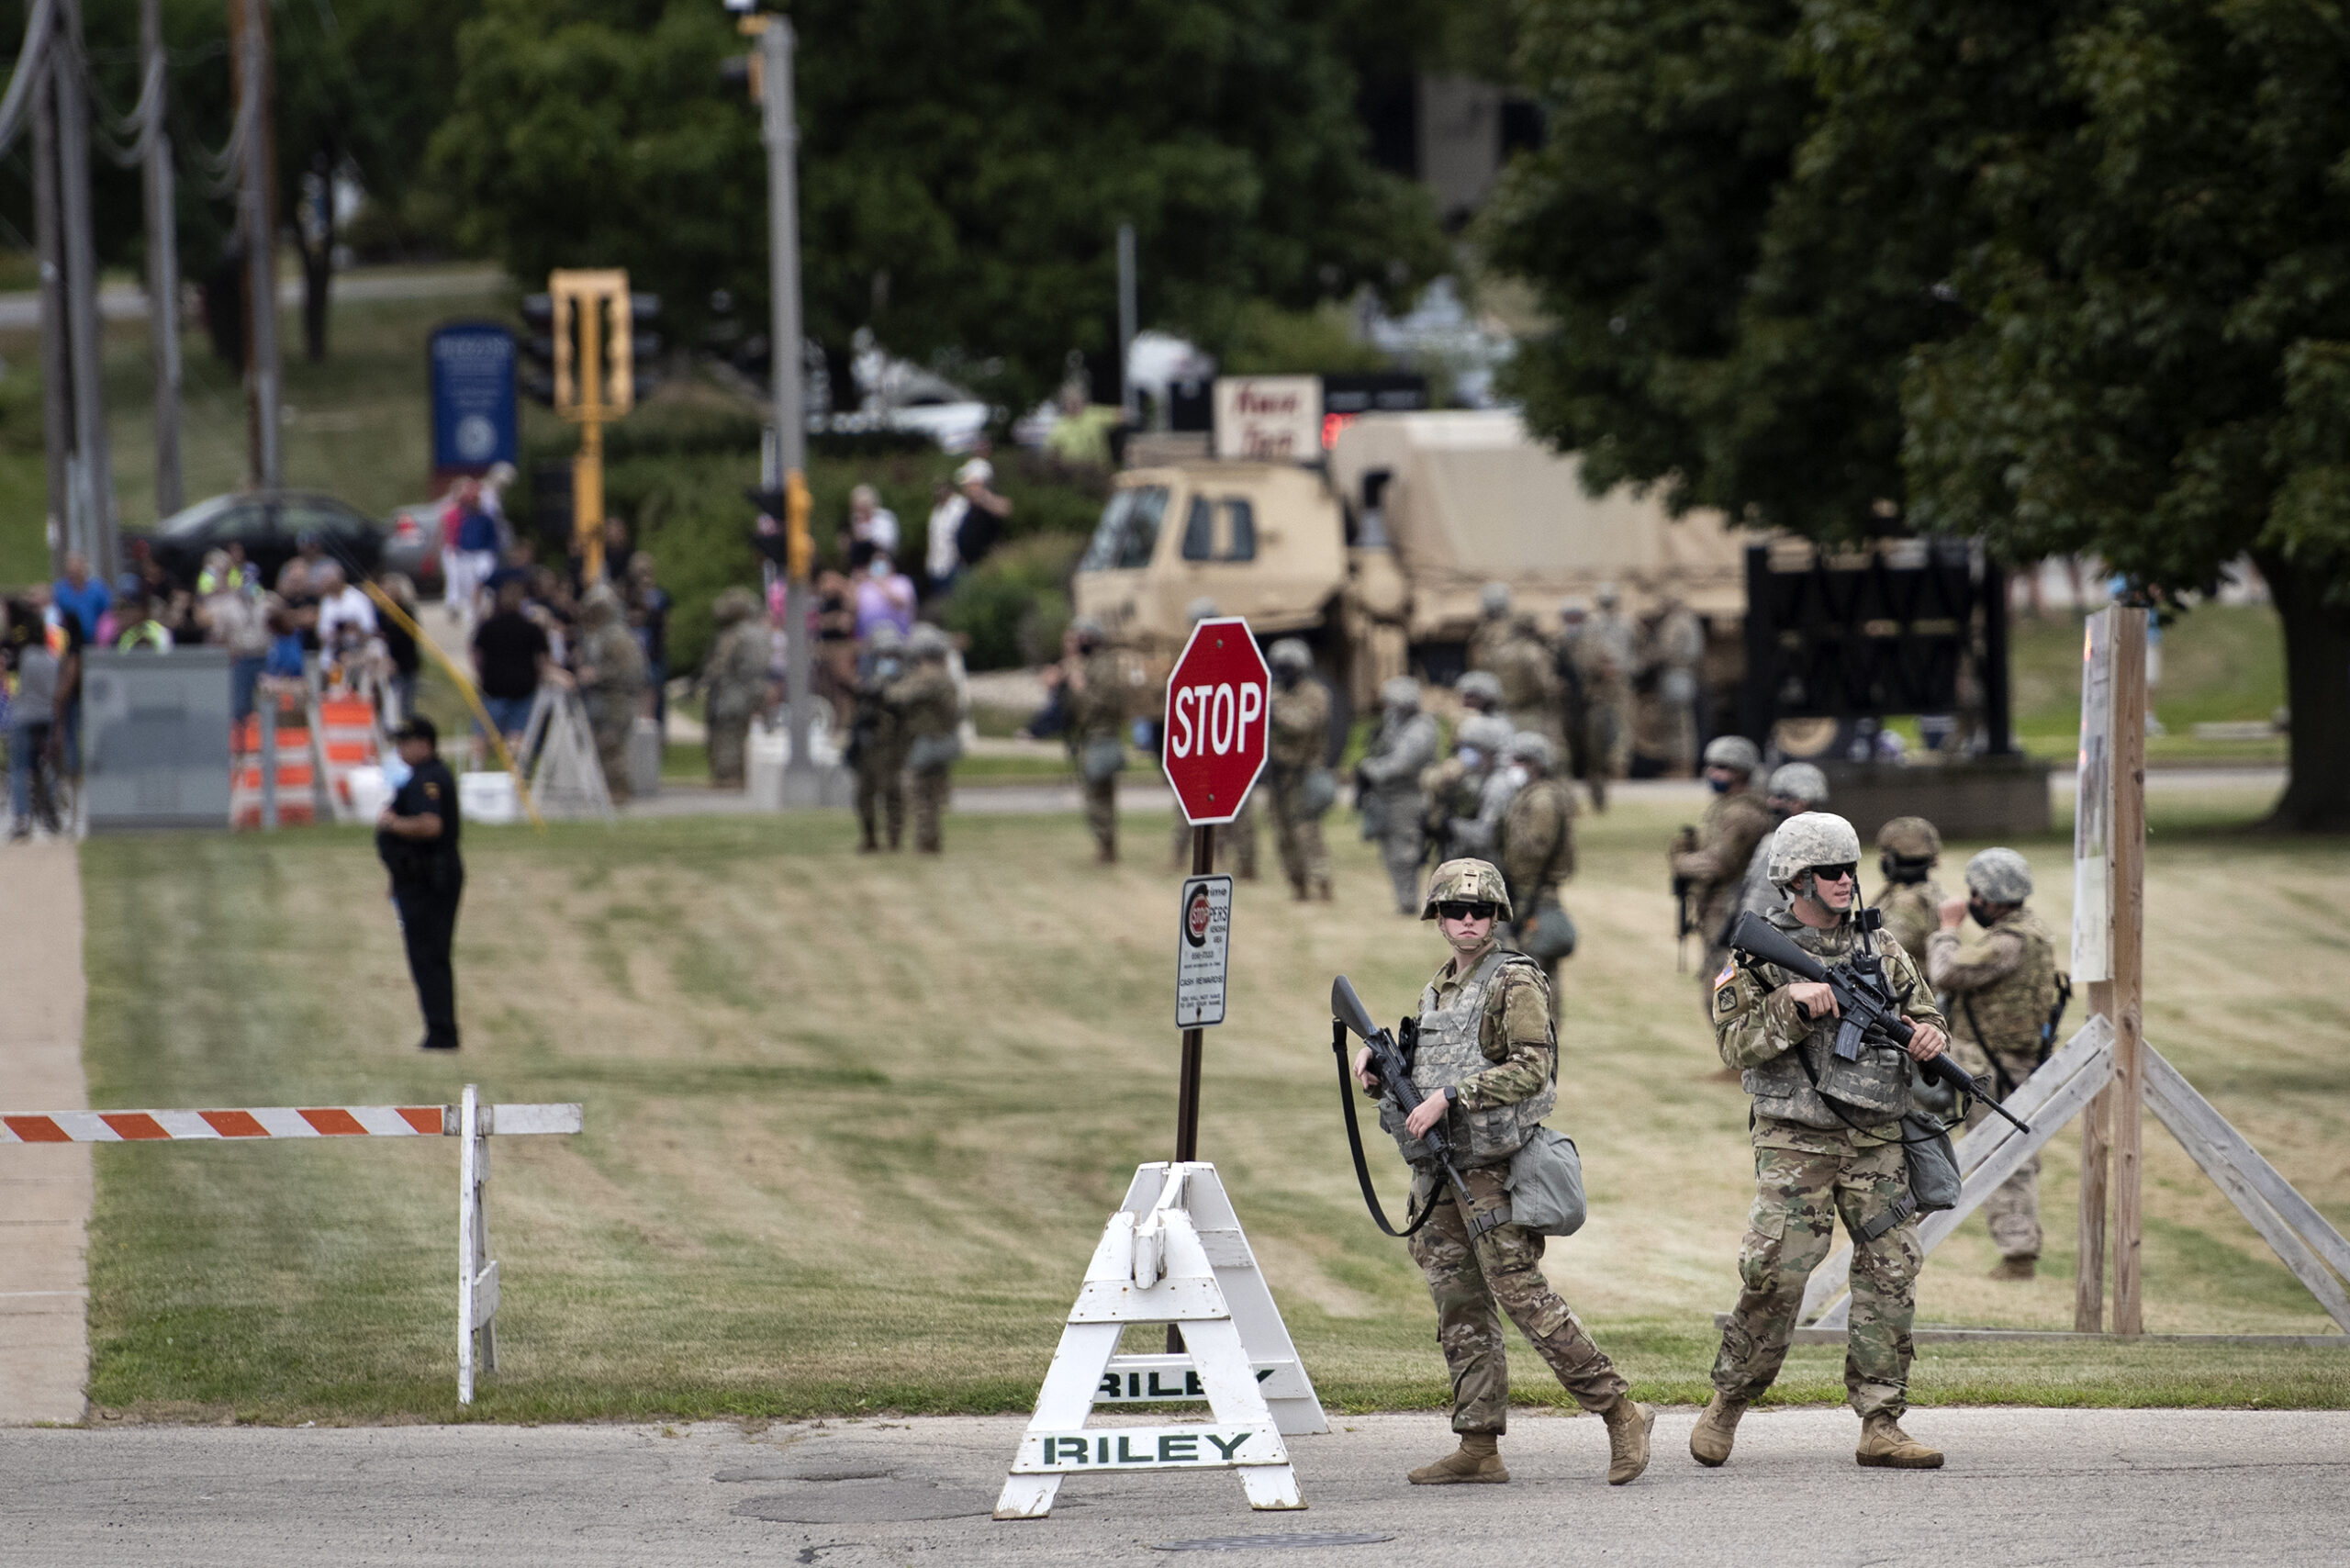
{"x":1217,"y":702}
{"x":1203,"y":951}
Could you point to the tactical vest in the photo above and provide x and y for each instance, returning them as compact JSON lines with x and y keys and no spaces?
{"x":1873,"y":1089}
{"x":1912,"y":911}
{"x":1449,"y":1054}
{"x":2011,"y":1009}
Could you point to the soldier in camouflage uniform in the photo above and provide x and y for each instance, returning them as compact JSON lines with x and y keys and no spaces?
{"x":611,"y":677}
{"x":1715,"y":865}
{"x":1795,"y":787}
{"x":737,"y":678}
{"x":1676,"y":653}
{"x":1387,"y":789}
{"x":1297,"y":747}
{"x":878,"y":741}
{"x":1097,"y":699}
{"x":1605,"y":650}
{"x":1455,"y":789}
{"x":1908,"y":850}
{"x":1538,"y":846}
{"x":1493,"y":628}
{"x":1827,"y":1137}
{"x":1521,"y":662}
{"x":1574,"y":698}
{"x":1487,"y":1065}
{"x":2000,"y":997}
{"x":923,"y":702}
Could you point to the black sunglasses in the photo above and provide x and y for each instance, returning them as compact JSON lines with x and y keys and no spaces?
{"x":1467,"y":911}
{"x":1836,"y":873}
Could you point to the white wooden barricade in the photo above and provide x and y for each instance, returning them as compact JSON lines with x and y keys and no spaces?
{"x":1174,"y":1252}
{"x":476,"y":1270}
{"x":559,"y":751}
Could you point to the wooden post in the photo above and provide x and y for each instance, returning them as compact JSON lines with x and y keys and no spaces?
{"x":1187,"y":1087}
{"x":2088,"y":1281}
{"x":2129,"y":854}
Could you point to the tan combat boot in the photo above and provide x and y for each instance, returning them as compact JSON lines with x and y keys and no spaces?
{"x":1885,"y":1446}
{"x":2015,"y":1269}
{"x":1717,"y":1429}
{"x":1477,"y":1462}
{"x":1629,"y":1424}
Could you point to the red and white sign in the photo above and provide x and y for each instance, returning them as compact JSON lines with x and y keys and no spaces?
{"x":1217,"y":699}
{"x":1268,"y":418}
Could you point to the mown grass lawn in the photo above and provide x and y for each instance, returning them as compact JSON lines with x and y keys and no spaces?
{"x":854,"y":1122}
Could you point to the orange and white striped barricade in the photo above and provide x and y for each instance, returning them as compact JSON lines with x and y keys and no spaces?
{"x":468,"y":1120}
{"x":346,"y":730}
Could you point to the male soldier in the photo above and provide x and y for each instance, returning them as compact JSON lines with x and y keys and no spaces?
{"x":1488,"y":1064}
{"x":1480,"y":691}
{"x":1477,"y":832}
{"x":416,"y":837}
{"x":1387,"y":785}
{"x":1454,"y":788}
{"x":736,"y":676}
{"x":1827,"y":1137}
{"x":1297,"y":742}
{"x":1522,"y":662}
{"x":1676,"y":649}
{"x":1795,"y":787}
{"x":878,"y":741}
{"x":2004,"y":993}
{"x":1236,"y":841}
{"x":1909,"y":848}
{"x":1608,"y":648}
{"x":1712,"y":858}
{"x":1538,"y":846}
{"x":1493,"y":628}
{"x":1574,"y":698}
{"x":610,"y":674}
{"x":924,"y":703}
{"x":1097,"y":699}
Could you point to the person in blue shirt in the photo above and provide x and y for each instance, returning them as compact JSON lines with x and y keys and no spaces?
{"x":80,"y":597}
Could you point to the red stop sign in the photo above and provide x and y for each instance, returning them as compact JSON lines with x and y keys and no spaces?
{"x":1217,"y":698}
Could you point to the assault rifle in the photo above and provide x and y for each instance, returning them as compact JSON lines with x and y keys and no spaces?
{"x":1391,"y":1064}
{"x":1869,"y":1012}
{"x":1684,"y":922}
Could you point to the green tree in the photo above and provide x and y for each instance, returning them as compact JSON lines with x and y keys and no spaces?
{"x":964,"y":166}
{"x":2060,"y":276}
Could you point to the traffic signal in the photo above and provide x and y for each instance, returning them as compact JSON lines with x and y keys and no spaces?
{"x":645,"y":345}
{"x":538,"y":348}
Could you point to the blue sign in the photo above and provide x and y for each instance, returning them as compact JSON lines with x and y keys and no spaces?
{"x":473,"y":421}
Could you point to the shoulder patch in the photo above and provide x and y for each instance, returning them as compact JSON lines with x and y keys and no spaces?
{"x":431,"y":790}
{"x":1729,"y":973}
{"x":1725,"y":999}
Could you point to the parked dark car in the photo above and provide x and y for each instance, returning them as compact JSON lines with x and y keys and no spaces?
{"x":415,"y":544}
{"x":269,"y":524}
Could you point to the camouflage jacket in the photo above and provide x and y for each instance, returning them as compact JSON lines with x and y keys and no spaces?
{"x":1401,"y":749}
{"x":1516,"y":1037}
{"x":736,"y":672}
{"x":1538,"y":847}
{"x":1450,"y":790}
{"x":1726,"y":840}
{"x":613,"y":673}
{"x":2007,"y":983}
{"x":1300,"y":735}
{"x":923,"y":701}
{"x":1099,"y":711}
{"x":1912,"y":911}
{"x":1522,"y":665}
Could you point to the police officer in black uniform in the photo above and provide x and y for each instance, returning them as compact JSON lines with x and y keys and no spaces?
{"x":417,"y":837}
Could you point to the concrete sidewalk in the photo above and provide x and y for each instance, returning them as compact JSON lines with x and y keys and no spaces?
{"x":2022,"y":1486}
{"x":44,"y":1190}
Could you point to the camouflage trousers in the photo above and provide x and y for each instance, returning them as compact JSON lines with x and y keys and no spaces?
{"x":728,"y":739}
{"x":881,"y":797}
{"x":1503,"y":1270}
{"x":613,"y":738}
{"x":1305,"y":859}
{"x":1101,"y":813}
{"x":1799,"y":1192}
{"x":1235,"y":842}
{"x":2013,"y":1211}
{"x":1402,"y":846}
{"x":929,"y":793}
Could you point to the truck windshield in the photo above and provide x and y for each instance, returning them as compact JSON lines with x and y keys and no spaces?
{"x":1239,"y":535}
{"x":1128,"y":532}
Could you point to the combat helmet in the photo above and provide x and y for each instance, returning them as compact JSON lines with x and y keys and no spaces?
{"x":2000,"y":876}
{"x":1530,"y":746}
{"x":1400,"y":692}
{"x":1291,"y":653}
{"x":1088,"y":629}
{"x":1199,"y":609}
{"x":1809,"y":839}
{"x":1488,"y":733}
{"x":1734,"y":751}
{"x":1799,"y":781}
{"x":1909,"y":838}
{"x":1481,"y":683}
{"x":1467,"y":881}
{"x":885,"y":638}
{"x":928,"y":642}
{"x":1495,"y":599}
{"x":734,"y":604}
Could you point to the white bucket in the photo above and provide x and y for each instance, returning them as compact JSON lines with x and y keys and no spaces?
{"x":486,"y":797}
{"x":369,"y":792}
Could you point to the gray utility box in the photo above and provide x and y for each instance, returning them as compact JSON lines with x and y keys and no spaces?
{"x":155,"y":739}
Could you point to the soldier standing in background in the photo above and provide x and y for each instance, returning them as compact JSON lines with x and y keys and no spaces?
{"x":1387,"y":785}
{"x":1454,"y":788}
{"x":1488,"y":1064}
{"x":1712,"y":859}
{"x":610,"y":674}
{"x":1575,"y":701}
{"x":1795,"y":787}
{"x":2003,"y":996}
{"x":1493,"y":627}
{"x":877,"y":741}
{"x":1607,"y":648}
{"x":1095,"y":685}
{"x":1297,"y":745}
{"x":1537,"y":853}
{"x":1827,"y":1136}
{"x":1521,"y":663}
{"x":925,"y":703}
{"x":1480,"y":691}
{"x":1677,"y":652}
{"x":737,"y":678}
{"x":1912,"y":903}
{"x":1476,"y":833}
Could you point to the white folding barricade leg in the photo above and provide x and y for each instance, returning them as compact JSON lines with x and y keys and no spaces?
{"x":1173,"y":1253}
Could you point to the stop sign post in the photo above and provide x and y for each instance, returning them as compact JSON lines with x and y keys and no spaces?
{"x":1217,"y":699}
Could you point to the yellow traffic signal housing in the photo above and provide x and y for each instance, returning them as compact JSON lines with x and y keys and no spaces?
{"x":595,"y":340}
{"x":800,"y":543}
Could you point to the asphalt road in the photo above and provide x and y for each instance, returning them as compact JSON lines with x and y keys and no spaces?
{"x":2079,"y":1487}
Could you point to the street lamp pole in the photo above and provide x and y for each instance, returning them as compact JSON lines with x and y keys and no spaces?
{"x":779,"y":129}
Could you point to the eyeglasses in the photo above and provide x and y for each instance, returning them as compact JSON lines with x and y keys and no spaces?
{"x":1466,"y":911}
{"x":1836,"y":873}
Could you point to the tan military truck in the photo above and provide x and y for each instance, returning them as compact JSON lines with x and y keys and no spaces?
{"x":1380,"y":559}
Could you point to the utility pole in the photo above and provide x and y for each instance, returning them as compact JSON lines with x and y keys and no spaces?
{"x":257,"y":221}
{"x":56,"y":364}
{"x":94,"y":471}
{"x":1127,"y":313}
{"x":162,"y":259}
{"x":780,"y":131}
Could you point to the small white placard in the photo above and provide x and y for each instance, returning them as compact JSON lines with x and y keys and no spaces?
{"x":1202,"y":948}
{"x":2092,"y":806}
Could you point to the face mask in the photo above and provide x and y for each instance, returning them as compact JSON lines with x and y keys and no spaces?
{"x":1980,"y":911}
{"x":1719,"y":786}
{"x":1471,"y":757}
{"x":397,"y":771}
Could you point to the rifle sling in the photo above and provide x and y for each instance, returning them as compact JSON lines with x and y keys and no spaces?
{"x":2000,"y":1074}
{"x":1476,"y":1224}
